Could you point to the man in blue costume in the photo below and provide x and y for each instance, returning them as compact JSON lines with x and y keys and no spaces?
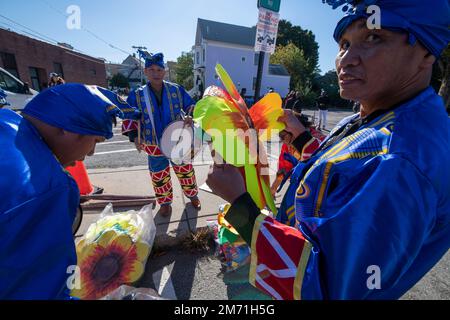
{"x":161,"y":103}
{"x":372,"y":204}
{"x":59,"y":126}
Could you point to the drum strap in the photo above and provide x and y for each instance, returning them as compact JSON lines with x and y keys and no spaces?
{"x":148,"y":105}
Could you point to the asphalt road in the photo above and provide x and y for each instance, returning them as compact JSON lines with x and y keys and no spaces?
{"x":116,"y":153}
{"x":120,"y":153}
{"x":184,"y":275}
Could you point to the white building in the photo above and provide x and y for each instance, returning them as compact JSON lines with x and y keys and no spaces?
{"x":133,"y":69}
{"x":233,"y":47}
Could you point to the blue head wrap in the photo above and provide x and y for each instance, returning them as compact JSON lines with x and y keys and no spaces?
{"x":426,"y":21}
{"x":82,"y":109}
{"x":3,"y":98}
{"x":151,"y":59}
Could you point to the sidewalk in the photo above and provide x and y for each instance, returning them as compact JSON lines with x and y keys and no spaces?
{"x":136,"y":181}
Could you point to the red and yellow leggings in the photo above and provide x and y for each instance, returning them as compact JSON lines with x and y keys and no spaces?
{"x":159,"y":167}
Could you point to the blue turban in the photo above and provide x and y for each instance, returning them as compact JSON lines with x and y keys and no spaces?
{"x":151,"y":59}
{"x":426,"y":21}
{"x":82,"y":109}
{"x":3,"y":98}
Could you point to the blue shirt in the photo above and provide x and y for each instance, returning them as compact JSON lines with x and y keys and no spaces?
{"x":378,"y":199}
{"x":174,"y":99}
{"x":39,"y":201}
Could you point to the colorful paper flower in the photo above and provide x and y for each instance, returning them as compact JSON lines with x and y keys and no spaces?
{"x":224,"y":116}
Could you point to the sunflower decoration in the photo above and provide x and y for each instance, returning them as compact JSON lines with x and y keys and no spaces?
{"x":224,"y":116}
{"x":110,"y":255}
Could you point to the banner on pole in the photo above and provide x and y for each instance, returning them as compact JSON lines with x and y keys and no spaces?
{"x":267,"y":31}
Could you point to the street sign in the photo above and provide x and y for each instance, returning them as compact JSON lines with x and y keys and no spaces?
{"x":272,"y":5}
{"x":267,"y":31}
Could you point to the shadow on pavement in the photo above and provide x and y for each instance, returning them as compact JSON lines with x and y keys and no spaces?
{"x":181,"y":266}
{"x":239,"y":288}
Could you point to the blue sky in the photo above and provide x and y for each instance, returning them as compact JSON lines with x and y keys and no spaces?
{"x":167,"y":25}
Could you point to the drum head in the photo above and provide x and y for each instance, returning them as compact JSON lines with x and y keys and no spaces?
{"x":179,"y":144}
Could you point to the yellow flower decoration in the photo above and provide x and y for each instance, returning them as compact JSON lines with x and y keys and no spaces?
{"x":113,"y":259}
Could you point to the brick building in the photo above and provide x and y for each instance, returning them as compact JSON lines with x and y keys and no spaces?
{"x":33,"y":60}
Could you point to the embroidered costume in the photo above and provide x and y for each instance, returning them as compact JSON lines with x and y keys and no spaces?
{"x":374,"y":196}
{"x":157,"y":115}
{"x":39,"y":198}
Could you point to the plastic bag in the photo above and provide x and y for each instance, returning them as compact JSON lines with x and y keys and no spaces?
{"x":114,"y":251}
{"x":130,"y":293}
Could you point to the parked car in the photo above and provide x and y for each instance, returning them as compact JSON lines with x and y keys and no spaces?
{"x":19,"y":94}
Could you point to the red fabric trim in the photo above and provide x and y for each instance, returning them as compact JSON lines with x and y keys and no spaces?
{"x":129,"y":125}
{"x":292,"y":242}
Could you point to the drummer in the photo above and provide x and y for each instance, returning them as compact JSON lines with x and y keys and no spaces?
{"x":162,"y":103}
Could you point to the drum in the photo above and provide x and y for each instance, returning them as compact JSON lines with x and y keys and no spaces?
{"x":77,"y":222}
{"x":180,"y":142}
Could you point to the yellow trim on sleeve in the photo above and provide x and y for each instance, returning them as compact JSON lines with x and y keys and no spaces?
{"x":169,"y":98}
{"x":306,"y":146}
{"x":254,"y":258}
{"x":387,"y":117}
{"x":323,"y":187}
{"x":298,"y":282}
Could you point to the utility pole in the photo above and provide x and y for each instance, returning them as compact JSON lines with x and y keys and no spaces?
{"x":140,"y":65}
{"x":266,"y":29}
{"x":259,"y":74}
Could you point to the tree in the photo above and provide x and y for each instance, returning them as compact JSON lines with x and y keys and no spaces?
{"x":293,"y":59}
{"x":185,"y":70}
{"x":119,"y":81}
{"x":298,"y":51}
{"x":330,"y":83}
{"x":305,"y":40}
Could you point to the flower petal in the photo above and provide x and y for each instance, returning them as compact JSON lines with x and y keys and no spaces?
{"x":80,"y":246}
{"x":123,"y":241}
{"x":135,"y":273}
{"x":265,"y":114}
{"x":106,"y":238}
{"x":231,"y":89}
{"x":88,"y":250}
{"x":142,"y":251}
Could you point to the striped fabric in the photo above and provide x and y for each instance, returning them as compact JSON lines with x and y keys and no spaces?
{"x":279,"y":257}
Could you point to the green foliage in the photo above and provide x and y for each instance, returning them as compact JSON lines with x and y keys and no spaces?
{"x":119,"y":81}
{"x":330,"y":83}
{"x":298,"y":52}
{"x":305,"y":40}
{"x":185,"y":70}
{"x":309,"y":97}
{"x":294,"y":60}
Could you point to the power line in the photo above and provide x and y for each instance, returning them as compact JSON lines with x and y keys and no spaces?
{"x":85,"y":58}
{"x":35,"y":32}
{"x":106,"y":42}
{"x":54,"y":8}
{"x":45,"y":38}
